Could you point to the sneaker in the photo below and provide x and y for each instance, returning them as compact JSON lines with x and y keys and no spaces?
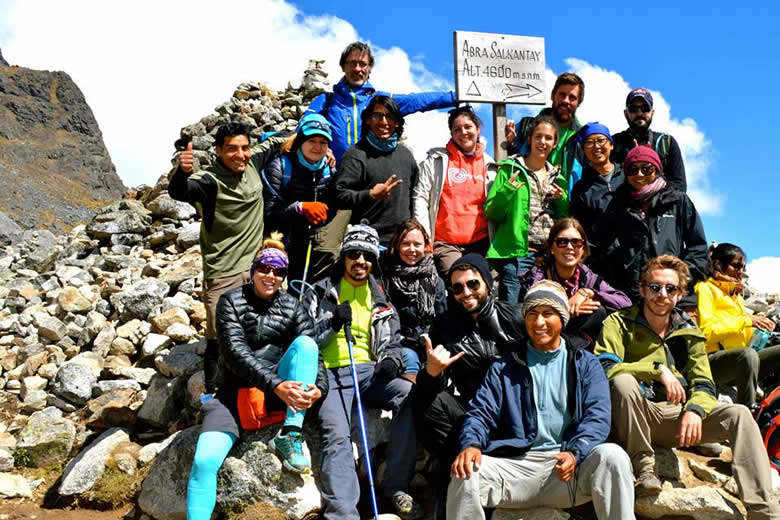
{"x":647,"y":484}
{"x":290,"y":449}
{"x":406,"y":507}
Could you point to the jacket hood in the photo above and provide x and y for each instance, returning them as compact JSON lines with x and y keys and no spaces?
{"x":342,"y":87}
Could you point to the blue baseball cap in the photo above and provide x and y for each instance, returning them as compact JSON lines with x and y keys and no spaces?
{"x":594,"y":128}
{"x":314,"y":124}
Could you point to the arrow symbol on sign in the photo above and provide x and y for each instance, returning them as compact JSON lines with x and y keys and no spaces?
{"x":510,"y":91}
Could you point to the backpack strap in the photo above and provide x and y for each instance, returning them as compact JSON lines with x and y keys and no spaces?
{"x":286,"y":170}
{"x":661,"y":146}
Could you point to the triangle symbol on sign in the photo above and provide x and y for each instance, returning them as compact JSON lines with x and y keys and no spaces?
{"x":473,"y":90}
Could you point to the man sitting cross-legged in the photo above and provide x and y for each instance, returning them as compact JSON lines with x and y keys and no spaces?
{"x":541,"y":416}
{"x":663,"y":393}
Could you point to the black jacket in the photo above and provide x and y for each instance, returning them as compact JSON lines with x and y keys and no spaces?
{"x":484,"y":340}
{"x":588,"y":203}
{"x":669,"y":226}
{"x":254,"y":334}
{"x":360,"y":169}
{"x":671,"y":157}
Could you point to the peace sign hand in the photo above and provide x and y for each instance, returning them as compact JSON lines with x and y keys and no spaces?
{"x":381,"y":191}
{"x":439,"y":359}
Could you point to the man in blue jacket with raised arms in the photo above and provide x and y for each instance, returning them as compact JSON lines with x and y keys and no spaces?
{"x":541,"y":417}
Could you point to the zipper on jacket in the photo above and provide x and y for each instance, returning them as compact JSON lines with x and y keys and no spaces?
{"x":354,"y":116}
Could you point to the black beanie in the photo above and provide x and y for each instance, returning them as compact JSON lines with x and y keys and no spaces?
{"x":476,"y":262}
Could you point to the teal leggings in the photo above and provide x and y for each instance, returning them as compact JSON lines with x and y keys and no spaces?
{"x":299,"y":363}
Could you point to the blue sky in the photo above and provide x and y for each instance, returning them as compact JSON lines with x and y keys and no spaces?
{"x":146,"y":69}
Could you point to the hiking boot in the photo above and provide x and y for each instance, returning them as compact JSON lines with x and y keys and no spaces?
{"x":709,"y":449}
{"x":290,"y":449}
{"x":647,"y":484}
{"x":406,"y":507}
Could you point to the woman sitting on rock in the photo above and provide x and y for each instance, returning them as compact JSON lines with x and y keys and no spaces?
{"x":736,"y":340}
{"x":297,"y":198}
{"x":415,"y":289}
{"x":591,"y":298}
{"x":269,"y":370}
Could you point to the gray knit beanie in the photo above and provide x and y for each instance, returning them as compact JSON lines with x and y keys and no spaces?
{"x":360,"y":237}
{"x":547,"y":292}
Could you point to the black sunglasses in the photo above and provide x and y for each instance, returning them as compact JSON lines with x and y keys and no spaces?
{"x":738,"y":266}
{"x":355,"y":254}
{"x":646,"y":169}
{"x":633,"y":109}
{"x":281,"y":272}
{"x":472,"y":284}
{"x":576,"y":243}
{"x":671,"y":289}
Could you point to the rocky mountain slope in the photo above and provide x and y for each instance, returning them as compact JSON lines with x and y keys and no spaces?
{"x":54,"y":166}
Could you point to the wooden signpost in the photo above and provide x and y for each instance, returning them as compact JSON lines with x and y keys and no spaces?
{"x":499,"y":69}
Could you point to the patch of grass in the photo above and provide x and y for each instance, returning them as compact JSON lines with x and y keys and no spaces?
{"x":115,"y":488}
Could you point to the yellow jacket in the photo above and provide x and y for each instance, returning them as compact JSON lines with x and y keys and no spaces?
{"x":722,"y":315}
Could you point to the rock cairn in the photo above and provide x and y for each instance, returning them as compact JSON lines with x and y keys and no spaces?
{"x":101,"y":354}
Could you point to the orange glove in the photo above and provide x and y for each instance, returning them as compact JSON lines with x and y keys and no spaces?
{"x":315,"y":212}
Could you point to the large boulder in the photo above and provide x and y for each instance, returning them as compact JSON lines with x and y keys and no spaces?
{"x":163,"y":401}
{"x":74,"y":383}
{"x":699,"y":503}
{"x":43,"y":250}
{"x":46,"y":439}
{"x":165,"y":206}
{"x":10,"y":232}
{"x":83,"y":471}
{"x":140,"y":299}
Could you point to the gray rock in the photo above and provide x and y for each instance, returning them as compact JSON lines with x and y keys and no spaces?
{"x":102,"y":387}
{"x":180,"y":332}
{"x":74,"y":383}
{"x":46,"y":439}
{"x":71,"y":299}
{"x":186,"y":267}
{"x":94,"y":324}
{"x":49,"y":327}
{"x":126,"y":239}
{"x":163,"y":401}
{"x":73,"y":275}
{"x":538,"y":513}
{"x":142,"y":375}
{"x":58,"y":402}
{"x":91,"y":360}
{"x":182,"y":360}
{"x":706,"y":473}
{"x":34,"y":400}
{"x":6,"y":460}
{"x":140,"y":299}
{"x":43,"y":250}
{"x":757,"y":304}
{"x":14,"y":486}
{"x":126,"y":222}
{"x":134,"y":330}
{"x":117,"y":407}
{"x":153,"y":344}
{"x":699,"y":503}
{"x":126,"y":463}
{"x":10,"y":232}
{"x":122,"y":347}
{"x":668,"y":464}
{"x":32,"y":383}
{"x":189,"y":235}
{"x":87,"y":467}
{"x":165,"y":206}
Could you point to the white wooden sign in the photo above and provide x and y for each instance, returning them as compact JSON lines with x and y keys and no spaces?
{"x":499,"y":68}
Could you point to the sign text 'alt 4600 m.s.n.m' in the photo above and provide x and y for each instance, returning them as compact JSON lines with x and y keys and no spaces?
{"x":499,"y":68}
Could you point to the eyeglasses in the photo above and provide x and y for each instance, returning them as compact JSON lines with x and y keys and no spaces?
{"x":590,"y":143}
{"x":646,"y":169}
{"x":280,"y":272}
{"x":738,"y":267}
{"x":355,"y":254}
{"x":633,"y":109}
{"x":356,"y":63}
{"x":576,"y":243}
{"x":378,"y":116}
{"x":472,"y":284}
{"x":670,"y":288}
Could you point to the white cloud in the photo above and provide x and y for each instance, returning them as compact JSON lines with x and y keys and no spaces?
{"x":764,"y":273}
{"x":149,"y":68}
{"x":605,"y":94}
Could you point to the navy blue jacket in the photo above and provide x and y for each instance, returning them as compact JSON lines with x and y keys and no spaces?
{"x":501,"y":419}
{"x":343,"y":106}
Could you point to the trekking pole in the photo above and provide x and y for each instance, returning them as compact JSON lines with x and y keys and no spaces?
{"x":362,"y":422}
{"x":308,"y":255}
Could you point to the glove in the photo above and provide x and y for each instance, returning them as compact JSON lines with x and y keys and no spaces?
{"x":342,"y":315}
{"x":386,"y":369}
{"x":315,"y":212}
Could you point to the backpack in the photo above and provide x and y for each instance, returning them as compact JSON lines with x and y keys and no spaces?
{"x":661,"y":146}
{"x":768,"y":419}
{"x":286,"y":170}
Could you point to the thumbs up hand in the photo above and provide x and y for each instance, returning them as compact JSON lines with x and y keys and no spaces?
{"x":186,"y":159}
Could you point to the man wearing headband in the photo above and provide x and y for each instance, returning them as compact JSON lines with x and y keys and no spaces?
{"x":266,"y":355}
{"x":537,"y":426}
{"x":639,"y":115}
{"x":468,"y":338}
{"x":352,"y":297}
{"x":663,"y":393}
{"x":228,"y":197}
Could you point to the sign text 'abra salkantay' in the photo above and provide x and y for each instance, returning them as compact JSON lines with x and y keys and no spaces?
{"x":499,"y":68}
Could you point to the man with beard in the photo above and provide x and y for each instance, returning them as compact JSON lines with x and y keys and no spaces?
{"x":352,"y":298}
{"x":639,"y":114}
{"x":469,"y":337}
{"x":567,"y":95}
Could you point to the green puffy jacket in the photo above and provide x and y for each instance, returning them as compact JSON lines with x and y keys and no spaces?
{"x":510,"y":207}
{"x":627,"y":345}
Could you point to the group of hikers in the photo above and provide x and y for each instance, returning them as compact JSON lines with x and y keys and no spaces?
{"x":611,"y":320}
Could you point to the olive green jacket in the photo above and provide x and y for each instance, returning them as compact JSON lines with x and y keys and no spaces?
{"x":627,"y":345}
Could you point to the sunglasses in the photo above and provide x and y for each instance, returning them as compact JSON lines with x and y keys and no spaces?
{"x":576,"y":243}
{"x":670,"y":288}
{"x":738,"y":267}
{"x":281,"y":272}
{"x":634,"y":109}
{"x":472,"y":284}
{"x":354,"y":255}
{"x":379,"y":116}
{"x":646,"y":169}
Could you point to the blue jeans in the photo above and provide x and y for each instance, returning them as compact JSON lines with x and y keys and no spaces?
{"x":509,"y":272}
{"x":338,"y":479}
